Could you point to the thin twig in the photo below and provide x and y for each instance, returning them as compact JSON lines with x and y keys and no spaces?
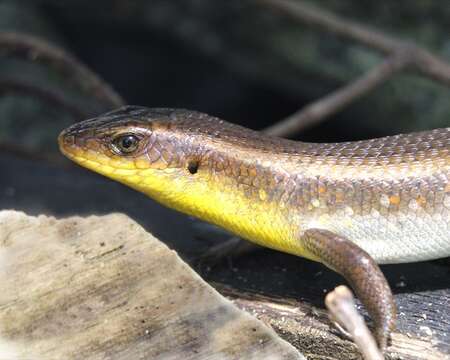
{"x":39,"y":50}
{"x":332,"y":23}
{"x":53,"y":97}
{"x":335,"y":101}
{"x":341,"y":304}
{"x":423,"y":60}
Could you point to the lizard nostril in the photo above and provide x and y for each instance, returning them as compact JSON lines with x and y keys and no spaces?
{"x":69,"y":140}
{"x":64,"y":139}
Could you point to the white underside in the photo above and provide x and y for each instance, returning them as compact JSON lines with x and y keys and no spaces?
{"x":394,"y":239}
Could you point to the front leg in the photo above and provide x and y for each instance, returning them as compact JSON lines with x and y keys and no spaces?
{"x":362,"y":273}
{"x":232,"y":247}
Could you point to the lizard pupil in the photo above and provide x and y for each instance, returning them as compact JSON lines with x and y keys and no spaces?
{"x":128,"y":141}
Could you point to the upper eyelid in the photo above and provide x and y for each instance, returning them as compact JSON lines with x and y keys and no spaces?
{"x":133,"y":130}
{"x":139,"y":135}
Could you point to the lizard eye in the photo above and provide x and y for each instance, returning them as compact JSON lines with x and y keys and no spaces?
{"x":125,"y":144}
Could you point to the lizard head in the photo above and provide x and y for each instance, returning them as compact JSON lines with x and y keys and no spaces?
{"x":155,"y":151}
{"x":186,"y":160}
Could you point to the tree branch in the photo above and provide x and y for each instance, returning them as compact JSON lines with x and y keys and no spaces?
{"x":39,"y":50}
{"x":402,"y":54}
{"x":330,"y":22}
{"x":335,"y":101}
{"x":53,"y":97}
{"x":423,"y":60}
{"x":342,"y":307}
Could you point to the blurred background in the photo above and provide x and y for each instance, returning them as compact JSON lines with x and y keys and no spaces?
{"x":247,"y":61}
{"x":244,"y":61}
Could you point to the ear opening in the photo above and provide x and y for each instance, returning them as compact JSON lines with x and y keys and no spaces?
{"x":193,"y":166}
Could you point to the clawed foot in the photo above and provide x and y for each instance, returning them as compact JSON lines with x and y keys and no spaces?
{"x":231,"y":248}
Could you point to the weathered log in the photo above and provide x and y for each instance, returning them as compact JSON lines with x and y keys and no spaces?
{"x":103,"y":288}
{"x":309,"y":329}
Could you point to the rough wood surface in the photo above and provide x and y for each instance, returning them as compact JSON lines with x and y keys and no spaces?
{"x":103,"y":288}
{"x":310,"y":330}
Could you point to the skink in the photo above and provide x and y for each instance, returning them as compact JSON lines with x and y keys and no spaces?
{"x":347,"y":205}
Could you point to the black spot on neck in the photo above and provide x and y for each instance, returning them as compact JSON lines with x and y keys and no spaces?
{"x":193,"y":166}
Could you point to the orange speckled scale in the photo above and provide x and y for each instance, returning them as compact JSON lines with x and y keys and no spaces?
{"x":383,"y":200}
